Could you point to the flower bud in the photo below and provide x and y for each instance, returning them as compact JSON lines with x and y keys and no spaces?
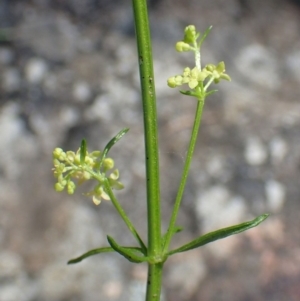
{"x":108,"y":163}
{"x":172,"y":82}
{"x":57,"y":153}
{"x":59,"y":187}
{"x":89,"y":160}
{"x":86,"y":175}
{"x":190,"y":34}
{"x":71,"y":187}
{"x":56,"y":162}
{"x":95,"y":154}
{"x":181,"y":46}
{"x":77,"y":159}
{"x":70,"y":156}
{"x":186,"y":71}
{"x":210,"y":67}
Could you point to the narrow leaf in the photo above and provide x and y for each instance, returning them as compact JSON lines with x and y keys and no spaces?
{"x":91,"y":253}
{"x":129,"y":253}
{"x":205,"y":34}
{"x":114,"y":140}
{"x":82,"y":151}
{"x":210,"y":92}
{"x":219,"y":234}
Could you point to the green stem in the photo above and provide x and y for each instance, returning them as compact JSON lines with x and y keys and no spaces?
{"x":124,"y":216}
{"x":150,"y":126}
{"x":185,"y":172}
{"x":151,"y":149}
{"x":154,"y":282}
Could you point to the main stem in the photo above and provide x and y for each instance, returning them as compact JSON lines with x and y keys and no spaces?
{"x":151,"y":148}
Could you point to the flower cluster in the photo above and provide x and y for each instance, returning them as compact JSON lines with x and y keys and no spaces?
{"x":196,"y":76}
{"x":198,"y":79}
{"x":69,"y":166}
{"x":189,"y":41}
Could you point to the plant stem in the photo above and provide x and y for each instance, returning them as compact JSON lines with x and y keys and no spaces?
{"x":124,"y":216}
{"x":185,"y":172}
{"x":151,"y":149}
{"x":150,"y":125}
{"x":154,"y":282}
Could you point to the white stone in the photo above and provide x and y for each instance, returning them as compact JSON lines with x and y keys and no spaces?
{"x":69,"y":116}
{"x":275,"y":194}
{"x":35,"y":70}
{"x":217,"y":208}
{"x":255,"y":152}
{"x":292,"y":61}
{"x":81,"y":91}
{"x":215,"y":165}
{"x":278,"y":149}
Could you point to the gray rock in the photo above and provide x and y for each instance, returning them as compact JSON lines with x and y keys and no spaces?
{"x":15,"y":284}
{"x":258,"y":65}
{"x":11,"y":80}
{"x":6,"y":56}
{"x":51,"y":35}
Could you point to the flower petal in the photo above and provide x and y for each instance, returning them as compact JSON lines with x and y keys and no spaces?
{"x":96,"y":200}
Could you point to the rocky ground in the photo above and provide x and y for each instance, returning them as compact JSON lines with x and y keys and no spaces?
{"x":68,"y":70}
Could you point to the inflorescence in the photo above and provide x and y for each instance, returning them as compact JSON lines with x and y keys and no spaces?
{"x":69,"y":166}
{"x":198,"y":79}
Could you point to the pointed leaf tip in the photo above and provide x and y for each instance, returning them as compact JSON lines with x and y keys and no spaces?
{"x":90,"y":253}
{"x":113,"y":141}
{"x":219,"y":234}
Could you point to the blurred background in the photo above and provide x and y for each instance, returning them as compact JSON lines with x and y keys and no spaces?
{"x":68,"y":70}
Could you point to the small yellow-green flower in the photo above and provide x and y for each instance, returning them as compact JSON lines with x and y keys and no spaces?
{"x":70,"y":166}
{"x":191,"y":77}
{"x":99,"y":193}
{"x":217,"y":72}
{"x":198,"y":79}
